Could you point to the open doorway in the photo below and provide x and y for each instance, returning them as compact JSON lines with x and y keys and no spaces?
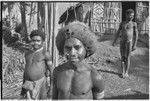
{"x":128,"y":5}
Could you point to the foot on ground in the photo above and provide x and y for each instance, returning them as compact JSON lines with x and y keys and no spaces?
{"x":122,"y":76}
{"x":126,"y":75}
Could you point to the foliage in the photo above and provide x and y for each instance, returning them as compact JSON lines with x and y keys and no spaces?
{"x":13,"y":64}
{"x":8,"y":37}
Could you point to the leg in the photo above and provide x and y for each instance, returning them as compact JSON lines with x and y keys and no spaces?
{"x":129,"y":49}
{"x":43,"y":90}
{"x":23,"y":93}
{"x":28,"y":94}
{"x":123,"y":65}
{"x":122,"y":53}
{"x":127,"y":66}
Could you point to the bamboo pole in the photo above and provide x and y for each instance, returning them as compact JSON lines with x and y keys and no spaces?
{"x":48,"y":31}
{"x":51,"y":16}
{"x":46,"y":27}
{"x":55,"y":31}
{"x":53,"y":37}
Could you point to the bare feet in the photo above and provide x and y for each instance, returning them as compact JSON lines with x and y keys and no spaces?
{"x":123,"y":70}
{"x":126,"y":75}
{"x":122,"y":76}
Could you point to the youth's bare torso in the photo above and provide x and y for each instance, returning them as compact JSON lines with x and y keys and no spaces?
{"x":74,"y":84}
{"x":127,"y":30}
{"x":35,"y":66}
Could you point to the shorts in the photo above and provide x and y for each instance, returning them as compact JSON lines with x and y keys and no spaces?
{"x":36,"y":89}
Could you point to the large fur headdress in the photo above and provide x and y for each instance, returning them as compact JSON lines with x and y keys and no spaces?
{"x":80,"y":31}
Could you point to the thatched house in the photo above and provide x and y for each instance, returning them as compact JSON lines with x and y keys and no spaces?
{"x":104,"y":17}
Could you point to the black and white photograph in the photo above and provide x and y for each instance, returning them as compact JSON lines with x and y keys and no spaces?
{"x":73,"y":50}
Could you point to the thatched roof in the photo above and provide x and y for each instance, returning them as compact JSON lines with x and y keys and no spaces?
{"x":69,"y":12}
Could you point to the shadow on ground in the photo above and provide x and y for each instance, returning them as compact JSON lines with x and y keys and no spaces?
{"x":105,"y":36}
{"x":113,"y":67}
{"x":111,"y":72}
{"x":140,"y":65}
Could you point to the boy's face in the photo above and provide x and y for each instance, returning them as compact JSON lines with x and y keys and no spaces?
{"x":74,"y":50}
{"x":37,"y":42}
{"x":130,"y":16}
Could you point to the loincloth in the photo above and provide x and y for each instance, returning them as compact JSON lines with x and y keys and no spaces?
{"x":33,"y":88}
{"x":125,"y":47}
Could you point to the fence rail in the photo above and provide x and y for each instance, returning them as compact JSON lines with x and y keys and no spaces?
{"x":107,"y":27}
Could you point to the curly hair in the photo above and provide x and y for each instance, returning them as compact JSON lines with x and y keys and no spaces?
{"x":76,"y":30}
{"x":38,"y":33}
{"x":129,"y":11}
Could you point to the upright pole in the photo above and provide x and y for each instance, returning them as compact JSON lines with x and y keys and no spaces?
{"x":55,"y":31}
{"x":51,"y":18}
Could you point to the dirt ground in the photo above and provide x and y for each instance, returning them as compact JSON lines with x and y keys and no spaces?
{"x":109,"y":66}
{"x":107,"y":62}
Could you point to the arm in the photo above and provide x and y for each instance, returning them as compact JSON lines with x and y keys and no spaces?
{"x":136,"y":37}
{"x":98,"y":85}
{"x":23,"y":47}
{"x":117,"y":34}
{"x":48,"y":61}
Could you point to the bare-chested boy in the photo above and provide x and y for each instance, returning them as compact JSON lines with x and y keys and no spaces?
{"x":38,"y":61}
{"x":76,"y":79}
{"x":126,"y":31}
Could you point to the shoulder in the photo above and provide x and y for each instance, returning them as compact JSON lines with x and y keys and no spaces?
{"x":135,"y":24}
{"x":47,"y":55}
{"x":98,"y":82}
{"x":60,"y":68}
{"x":95,"y":74}
{"x":122,"y":23}
{"x":27,"y":53}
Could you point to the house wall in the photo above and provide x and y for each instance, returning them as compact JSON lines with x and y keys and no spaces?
{"x":108,"y":15}
{"x":142,"y":17}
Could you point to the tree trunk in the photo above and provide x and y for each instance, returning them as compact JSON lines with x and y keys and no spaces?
{"x":30,"y":17}
{"x":41,"y":16}
{"x":23,"y":18}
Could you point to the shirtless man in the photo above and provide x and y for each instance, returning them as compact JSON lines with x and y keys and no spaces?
{"x":38,"y":61}
{"x":126,"y":31}
{"x":76,"y":79}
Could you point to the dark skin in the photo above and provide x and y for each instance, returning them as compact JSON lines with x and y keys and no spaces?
{"x":37,"y":63}
{"x":127,"y":30}
{"x":76,"y":79}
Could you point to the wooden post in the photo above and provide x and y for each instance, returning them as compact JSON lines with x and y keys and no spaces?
{"x":91,"y":19}
{"x":55,"y":31}
{"x":51,"y":18}
{"x":52,"y":30}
